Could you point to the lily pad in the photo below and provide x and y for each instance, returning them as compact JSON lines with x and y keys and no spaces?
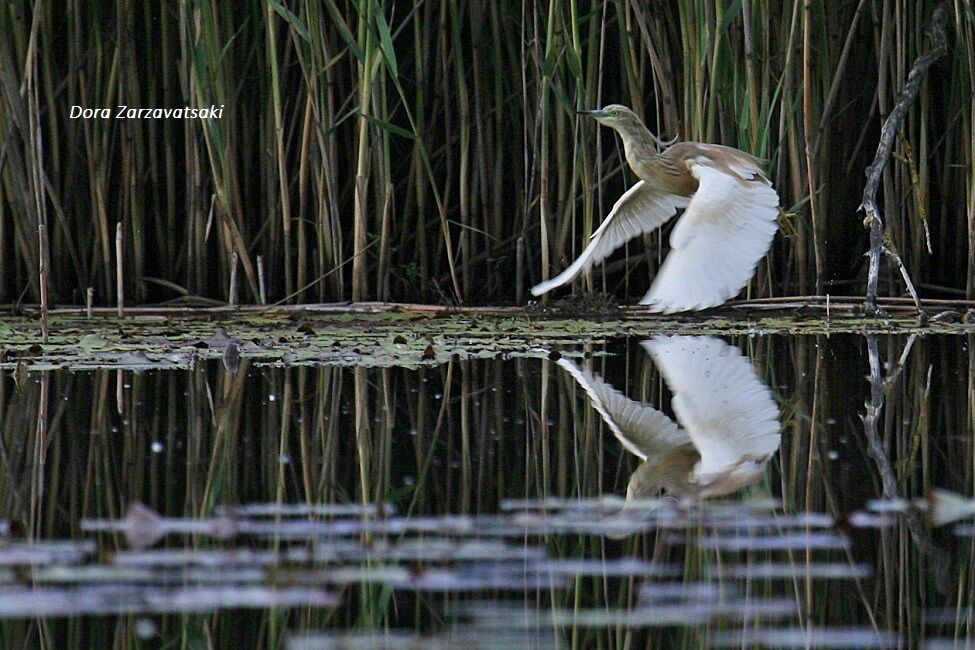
{"x":91,"y":342}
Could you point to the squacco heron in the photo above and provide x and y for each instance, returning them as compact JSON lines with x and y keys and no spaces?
{"x":729,"y":220}
{"x":727,"y":425}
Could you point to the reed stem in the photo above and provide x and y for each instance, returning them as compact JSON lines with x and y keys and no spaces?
{"x":42,"y":276}
{"x":119,"y":271}
{"x":447,"y":135}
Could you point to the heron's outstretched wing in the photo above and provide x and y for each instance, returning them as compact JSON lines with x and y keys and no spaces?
{"x":641,"y":209}
{"x":717,"y":243}
{"x":642,"y":429}
{"x":726,"y":410}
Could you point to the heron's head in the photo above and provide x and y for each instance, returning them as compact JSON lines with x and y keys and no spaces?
{"x":616,"y":116}
{"x":627,"y":124}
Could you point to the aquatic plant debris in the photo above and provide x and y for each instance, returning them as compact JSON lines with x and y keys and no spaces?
{"x":399,"y":336}
{"x":272,"y":555}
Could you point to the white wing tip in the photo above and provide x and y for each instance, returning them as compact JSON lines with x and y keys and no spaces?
{"x":543,"y":287}
{"x":669,"y":307}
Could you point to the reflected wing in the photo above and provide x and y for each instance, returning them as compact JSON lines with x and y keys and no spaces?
{"x":643,"y":430}
{"x":641,"y":209}
{"x":717,"y":243}
{"x":726,"y":410}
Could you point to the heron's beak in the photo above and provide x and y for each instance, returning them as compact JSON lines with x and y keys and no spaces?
{"x":596,"y":114}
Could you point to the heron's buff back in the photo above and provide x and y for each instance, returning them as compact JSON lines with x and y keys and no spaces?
{"x":671,"y":169}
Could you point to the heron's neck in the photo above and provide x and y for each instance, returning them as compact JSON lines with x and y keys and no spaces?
{"x":637,"y":140}
{"x":655,"y":168}
{"x":638,"y":145}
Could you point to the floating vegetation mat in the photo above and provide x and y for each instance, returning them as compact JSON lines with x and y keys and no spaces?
{"x":393,"y":335}
{"x":281,"y":556}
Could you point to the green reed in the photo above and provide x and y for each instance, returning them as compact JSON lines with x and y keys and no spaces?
{"x":417,"y":151}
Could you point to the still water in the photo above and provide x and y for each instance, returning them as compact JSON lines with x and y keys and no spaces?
{"x":744,"y":491}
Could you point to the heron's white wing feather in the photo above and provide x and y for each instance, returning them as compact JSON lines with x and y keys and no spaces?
{"x":642,"y":429}
{"x":717,"y":243}
{"x":641,"y":209}
{"x":718,"y":398}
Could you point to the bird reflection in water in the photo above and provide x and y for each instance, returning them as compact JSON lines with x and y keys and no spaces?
{"x":727,"y":425}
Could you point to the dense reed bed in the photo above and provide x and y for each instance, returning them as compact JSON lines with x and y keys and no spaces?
{"x":429,"y":151}
{"x":464,"y":436}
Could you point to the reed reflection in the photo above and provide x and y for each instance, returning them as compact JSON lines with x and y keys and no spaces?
{"x":727,"y":425}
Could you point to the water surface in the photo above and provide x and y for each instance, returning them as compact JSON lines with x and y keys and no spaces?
{"x":759,"y":491}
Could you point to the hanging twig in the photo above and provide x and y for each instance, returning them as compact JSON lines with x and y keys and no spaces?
{"x":940,"y":560}
{"x":875,"y":170}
